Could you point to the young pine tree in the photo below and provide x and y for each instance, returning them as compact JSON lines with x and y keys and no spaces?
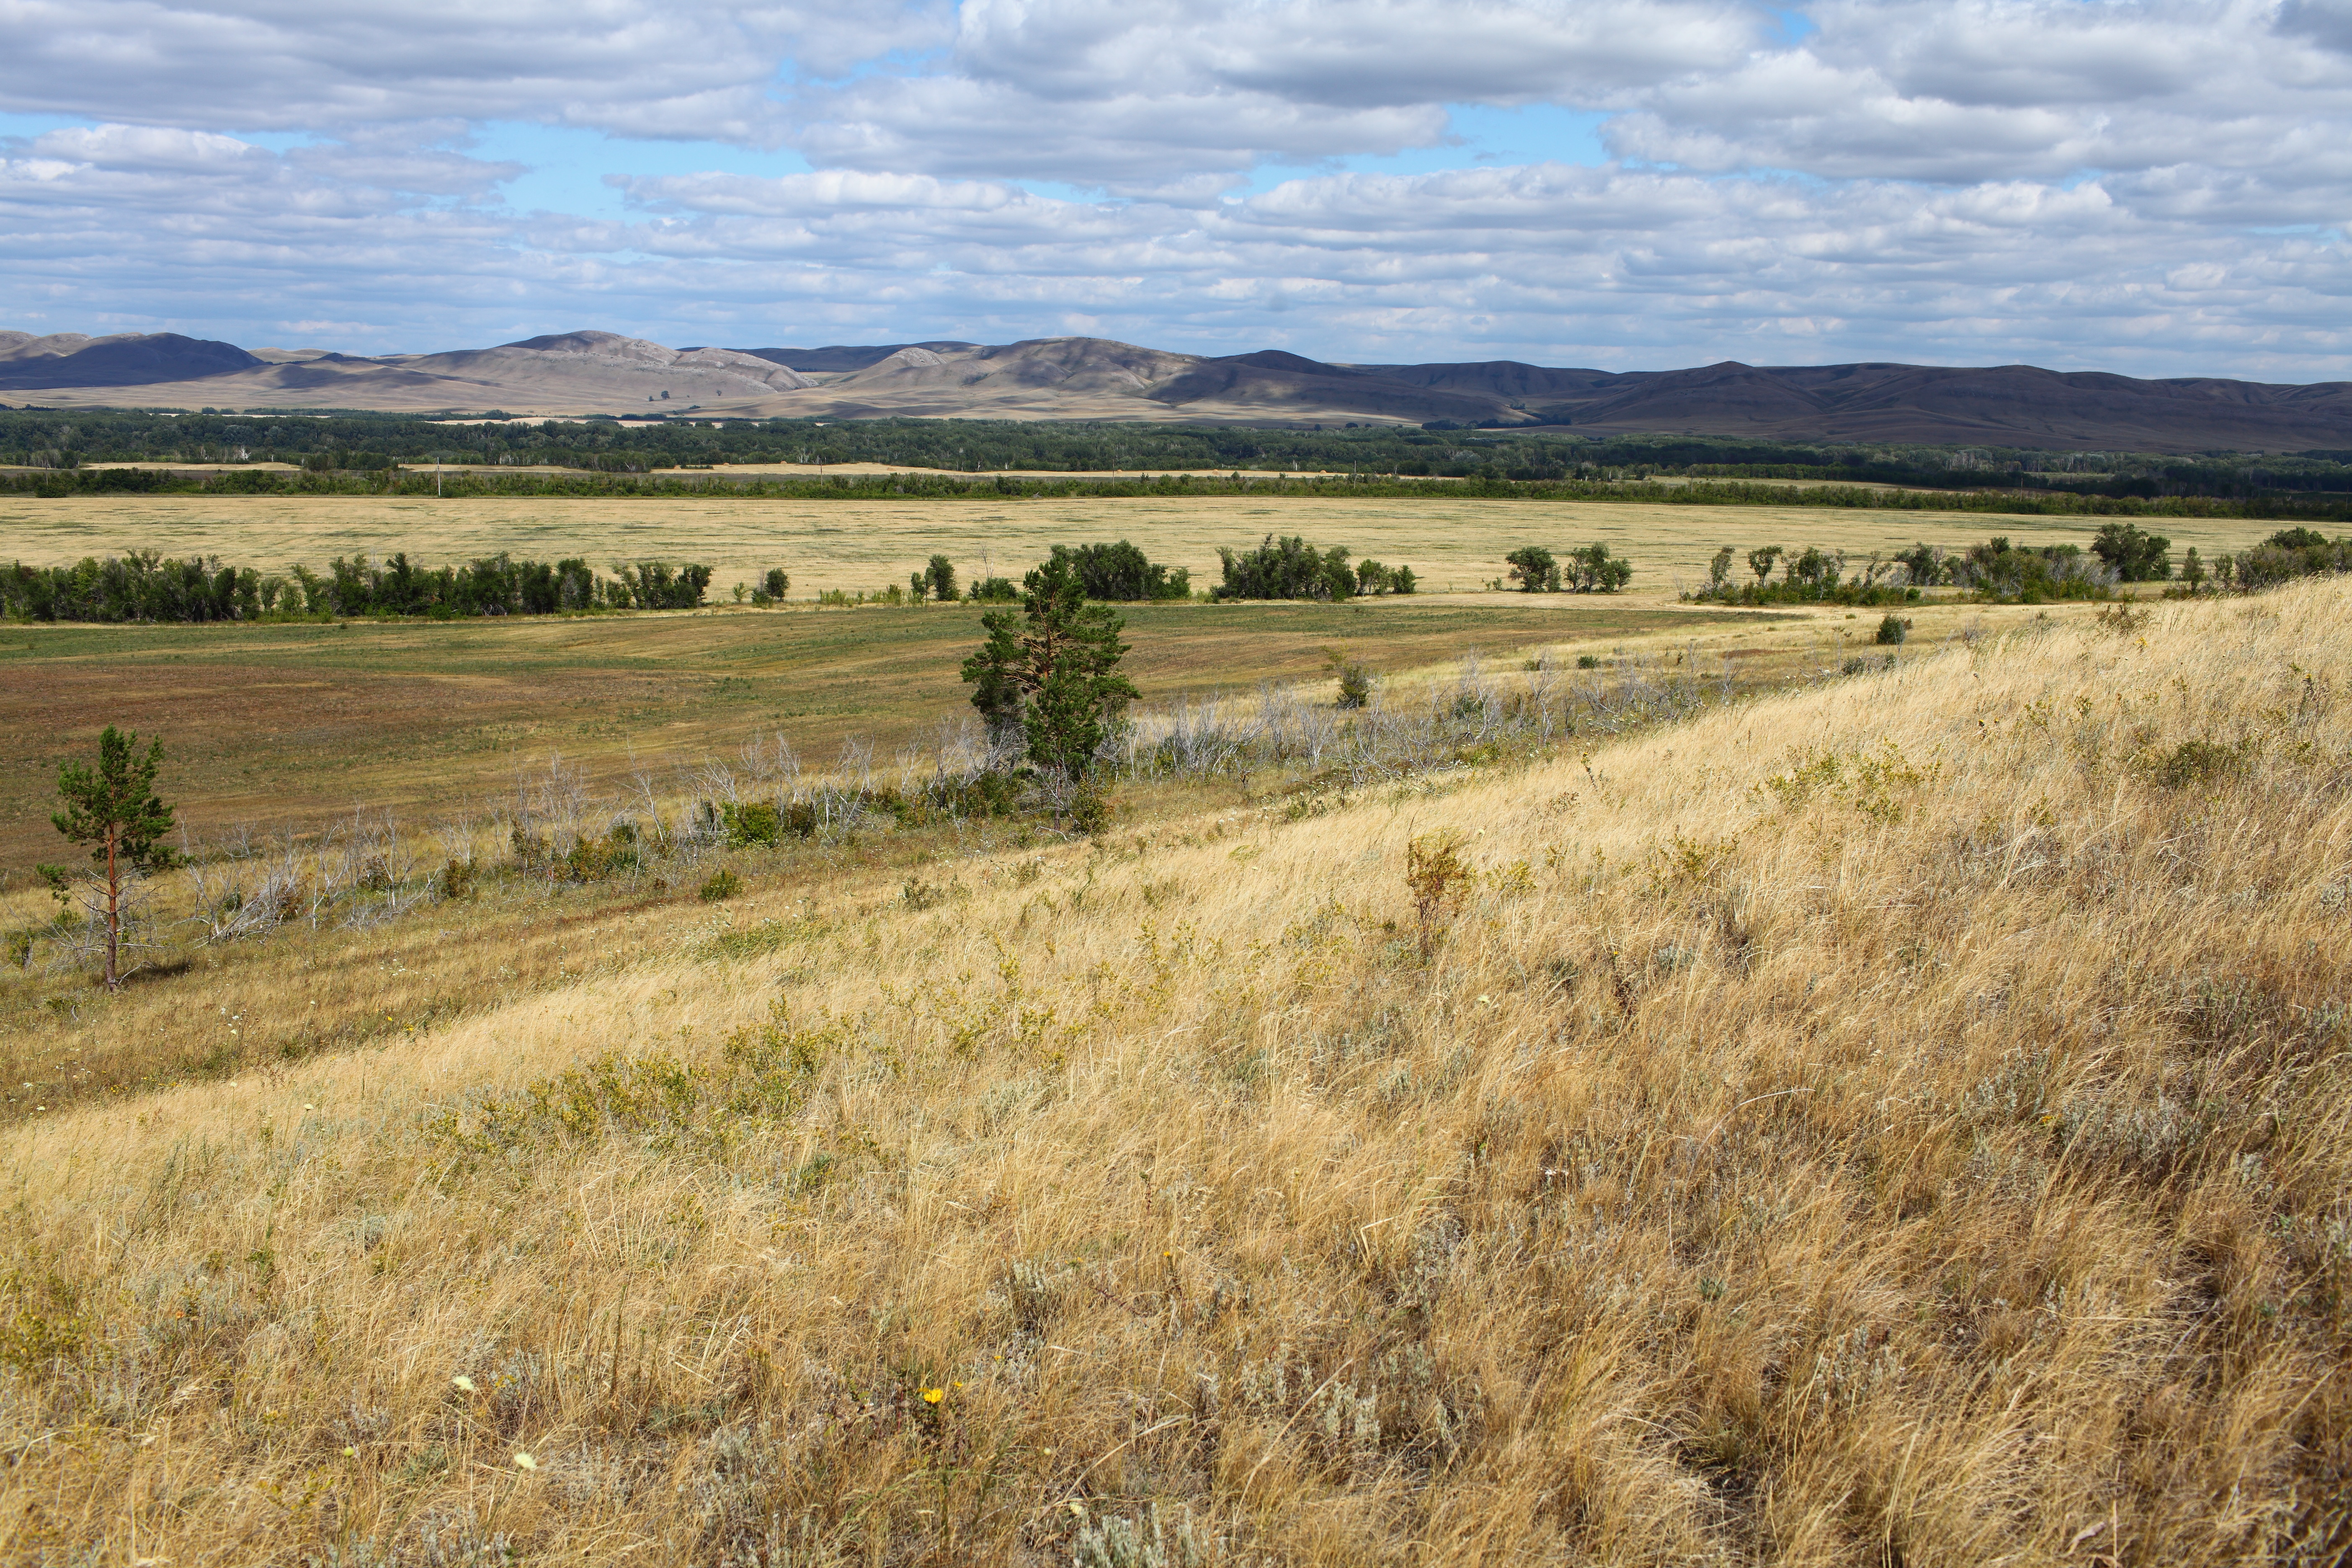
{"x":114,"y":810}
{"x":1052,"y":672}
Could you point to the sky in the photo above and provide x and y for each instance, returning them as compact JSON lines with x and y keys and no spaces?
{"x":2156,"y":188}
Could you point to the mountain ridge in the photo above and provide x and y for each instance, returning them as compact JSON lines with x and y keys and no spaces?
{"x":588,"y":371}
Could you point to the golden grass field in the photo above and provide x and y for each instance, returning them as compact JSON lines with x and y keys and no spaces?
{"x":1452,"y":543}
{"x":1898,"y":1121}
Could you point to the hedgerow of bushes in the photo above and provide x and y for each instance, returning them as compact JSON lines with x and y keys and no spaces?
{"x":141,"y":585}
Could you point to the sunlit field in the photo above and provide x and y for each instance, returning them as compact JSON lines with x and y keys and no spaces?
{"x":1454,"y":544}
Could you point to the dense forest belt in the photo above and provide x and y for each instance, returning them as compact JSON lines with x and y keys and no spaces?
{"x":60,"y":484}
{"x":376,"y":443}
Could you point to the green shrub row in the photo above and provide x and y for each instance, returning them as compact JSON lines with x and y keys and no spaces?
{"x":1293,"y":569}
{"x":142,"y":585}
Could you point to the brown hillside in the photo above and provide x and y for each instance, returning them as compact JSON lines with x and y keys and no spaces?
{"x":1097,"y":378}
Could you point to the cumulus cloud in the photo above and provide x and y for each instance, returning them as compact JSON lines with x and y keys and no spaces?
{"x":1084,"y":91}
{"x":1614,"y":267}
{"x":632,"y":66}
{"x":2157,"y":184}
{"x":1988,"y":90}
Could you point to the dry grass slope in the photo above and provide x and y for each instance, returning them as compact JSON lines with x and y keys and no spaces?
{"x":1924,"y":1145}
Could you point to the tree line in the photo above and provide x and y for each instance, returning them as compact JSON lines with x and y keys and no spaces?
{"x":364,"y":443}
{"x":2002,"y":571}
{"x":1279,"y":568}
{"x":1486,"y":483}
{"x":143,"y":585}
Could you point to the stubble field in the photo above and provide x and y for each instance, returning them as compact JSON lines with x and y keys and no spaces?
{"x":1453,"y":543}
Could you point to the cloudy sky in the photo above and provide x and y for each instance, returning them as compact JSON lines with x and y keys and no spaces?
{"x":2158,"y":188}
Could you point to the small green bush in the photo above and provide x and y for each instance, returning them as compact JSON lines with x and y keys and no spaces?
{"x":939,"y":577}
{"x":986,"y":794}
{"x":1089,"y":809}
{"x":530,"y":848}
{"x":752,"y":823}
{"x":1587,"y":661}
{"x":2296,"y":538}
{"x":593,"y":859}
{"x":720,"y":885}
{"x":2197,"y":762}
{"x":456,"y":879}
{"x":1892,"y":630}
{"x":1437,"y":876}
{"x":1288,"y":569}
{"x":1355,"y":680}
{"x":2133,"y":555}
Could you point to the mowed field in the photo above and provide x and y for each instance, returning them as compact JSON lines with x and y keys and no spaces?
{"x":1453,"y":543}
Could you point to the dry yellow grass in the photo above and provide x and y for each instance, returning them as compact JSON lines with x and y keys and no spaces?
{"x":1903,"y":1122}
{"x":1449,"y":541}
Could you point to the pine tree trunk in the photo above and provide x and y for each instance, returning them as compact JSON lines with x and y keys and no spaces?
{"x":113,"y":912}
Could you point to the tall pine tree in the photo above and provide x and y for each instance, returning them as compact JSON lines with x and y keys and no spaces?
{"x":1053,"y":671}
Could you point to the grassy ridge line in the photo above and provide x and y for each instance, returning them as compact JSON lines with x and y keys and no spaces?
{"x":118,"y":481}
{"x":1931,"y":1141}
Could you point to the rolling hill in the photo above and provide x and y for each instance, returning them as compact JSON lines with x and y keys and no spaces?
{"x":583,"y":373}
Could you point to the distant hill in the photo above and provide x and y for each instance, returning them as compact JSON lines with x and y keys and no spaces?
{"x":581,"y":372}
{"x":126,"y":358}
